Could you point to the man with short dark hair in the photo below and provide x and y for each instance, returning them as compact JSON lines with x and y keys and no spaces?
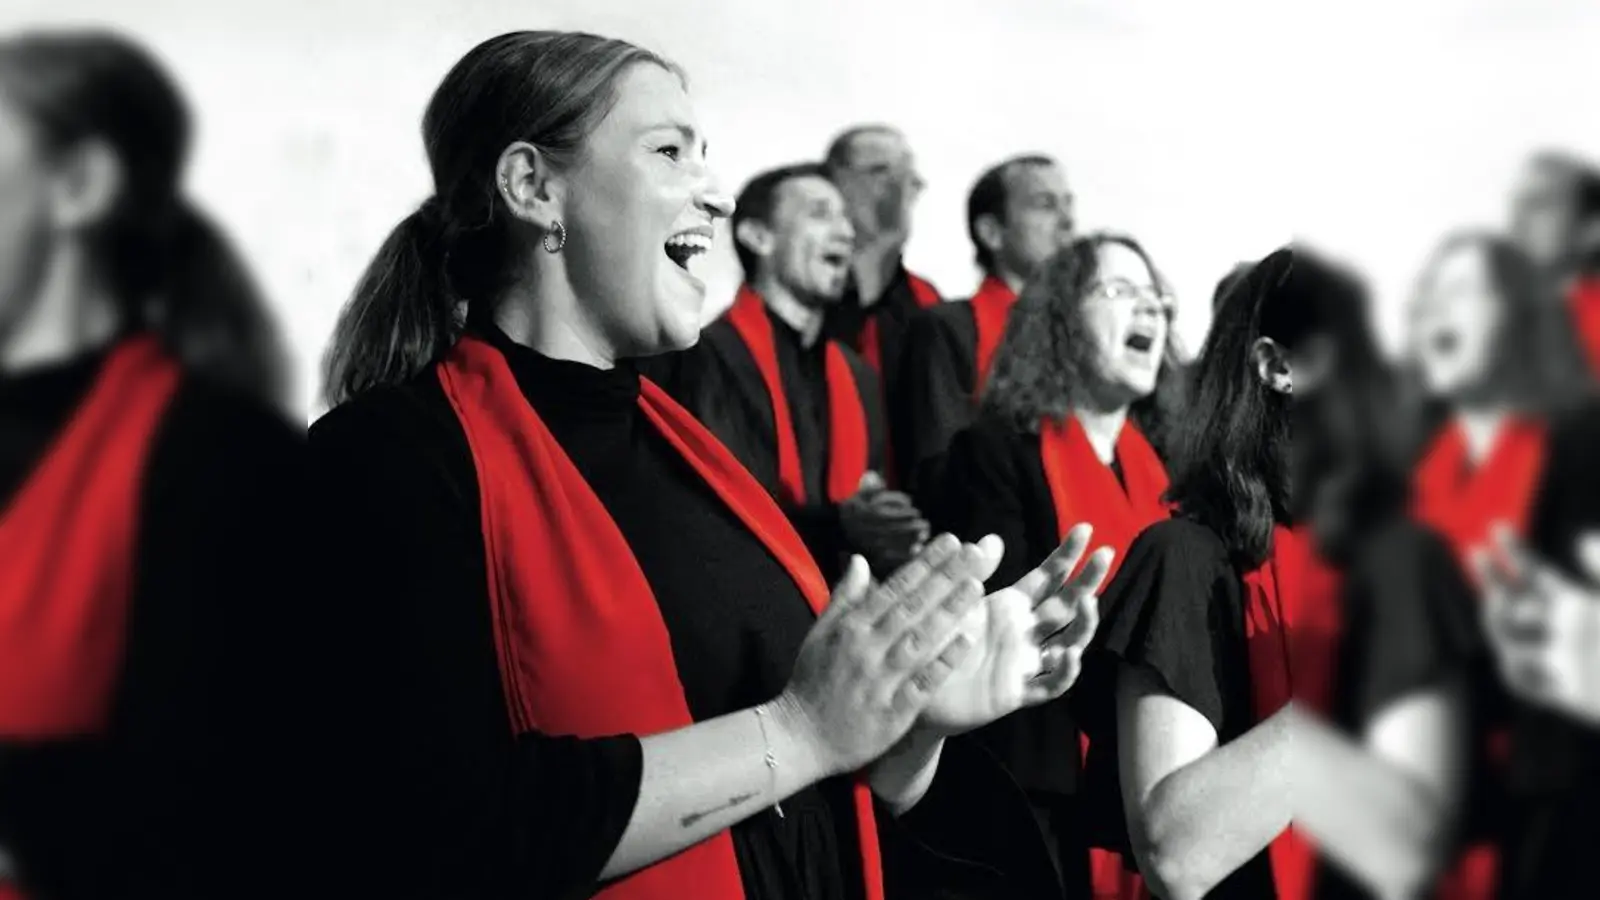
{"x":1555,"y":217}
{"x":801,"y":411}
{"x":1019,"y":213}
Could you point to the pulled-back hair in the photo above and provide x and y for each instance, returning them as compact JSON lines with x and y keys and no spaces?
{"x":172,"y":271}
{"x":1047,"y":356}
{"x":550,"y":89}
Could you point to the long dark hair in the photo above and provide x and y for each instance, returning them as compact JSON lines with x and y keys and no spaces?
{"x":1048,"y":356}
{"x":1537,"y":360}
{"x":170,"y":267}
{"x":1232,"y":467}
{"x":547,"y":88}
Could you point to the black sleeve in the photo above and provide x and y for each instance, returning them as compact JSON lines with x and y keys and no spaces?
{"x":935,"y":395}
{"x":985,"y":494}
{"x":1412,"y":622}
{"x":447,"y":800}
{"x":1173,"y":608}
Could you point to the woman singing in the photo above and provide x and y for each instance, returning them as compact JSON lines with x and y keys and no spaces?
{"x":612,"y":665}
{"x":1084,"y":373}
{"x":1222,"y":616}
{"x":147,"y":499}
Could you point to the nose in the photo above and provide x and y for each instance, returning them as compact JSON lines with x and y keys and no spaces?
{"x":714,"y":200}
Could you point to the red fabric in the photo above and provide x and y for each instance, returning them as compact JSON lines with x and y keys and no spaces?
{"x":869,"y":344}
{"x":1292,"y":628}
{"x":1462,"y":502}
{"x":1585,"y":303}
{"x":66,"y":553}
{"x":1084,"y":489}
{"x":991,"y":307}
{"x":848,"y":442}
{"x":565,"y":590}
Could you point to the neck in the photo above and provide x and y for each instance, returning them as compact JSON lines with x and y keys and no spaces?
{"x":552,"y":323}
{"x":1102,"y":427}
{"x":805,"y":318}
{"x":1481,"y":426}
{"x":72,"y":313}
{"x":875,"y":265}
{"x":1013,"y":280}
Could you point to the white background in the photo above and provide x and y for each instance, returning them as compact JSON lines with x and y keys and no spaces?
{"x":1212,"y":129}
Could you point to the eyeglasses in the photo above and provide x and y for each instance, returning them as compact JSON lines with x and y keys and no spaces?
{"x":1127,"y":292}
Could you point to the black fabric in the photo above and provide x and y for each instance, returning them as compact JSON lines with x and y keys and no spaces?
{"x":1554,"y":783}
{"x":181,"y":796}
{"x":937,"y":378}
{"x":483,"y":812}
{"x":1176,"y":607}
{"x":1410,"y":623}
{"x":893,"y":312}
{"x":718,"y":381}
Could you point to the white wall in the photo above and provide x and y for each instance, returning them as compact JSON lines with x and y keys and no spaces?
{"x":1213,"y":130}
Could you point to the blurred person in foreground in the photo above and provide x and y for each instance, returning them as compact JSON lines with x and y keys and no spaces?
{"x":1259,"y":660}
{"x":1084,"y":376}
{"x":1510,"y":468}
{"x":590,"y":652}
{"x":146,"y":496}
{"x":1019,"y":213}
{"x":1555,"y":219}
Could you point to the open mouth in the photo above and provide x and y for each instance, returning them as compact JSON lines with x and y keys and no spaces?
{"x":1445,"y":342}
{"x":1141,"y":343}
{"x":837,"y":258}
{"x":685,"y":246}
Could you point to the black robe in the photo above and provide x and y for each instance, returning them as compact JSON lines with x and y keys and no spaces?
{"x":937,"y":379}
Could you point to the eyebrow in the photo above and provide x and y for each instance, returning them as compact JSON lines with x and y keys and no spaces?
{"x":690,"y":136}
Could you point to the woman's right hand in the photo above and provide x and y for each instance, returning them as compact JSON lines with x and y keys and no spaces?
{"x":878,"y":654}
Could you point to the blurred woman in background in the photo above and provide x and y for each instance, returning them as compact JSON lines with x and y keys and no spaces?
{"x":1234,"y":631}
{"x":1084,"y":376}
{"x":1495,"y":350}
{"x":146,"y":495}
{"x":613,"y":665}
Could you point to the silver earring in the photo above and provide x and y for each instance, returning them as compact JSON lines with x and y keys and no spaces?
{"x":559,"y":231}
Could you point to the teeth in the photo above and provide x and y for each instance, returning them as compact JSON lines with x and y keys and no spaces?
{"x":690,"y":242}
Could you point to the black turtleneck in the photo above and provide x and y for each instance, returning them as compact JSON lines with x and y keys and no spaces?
{"x":475,"y":810}
{"x":154,"y":806}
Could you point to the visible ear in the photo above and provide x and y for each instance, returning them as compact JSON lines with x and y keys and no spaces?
{"x":1272,"y":366}
{"x":989,"y":231}
{"x":529,"y":185}
{"x":756,"y":236}
{"x":90,"y":186}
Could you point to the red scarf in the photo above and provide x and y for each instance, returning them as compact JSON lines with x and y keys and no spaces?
{"x":1585,"y":305}
{"x":1292,"y":628}
{"x":869,"y":344}
{"x":991,"y":307}
{"x":847,"y":418}
{"x":67,"y":553}
{"x":1084,"y":489}
{"x":566,"y":591}
{"x":1461,"y":503}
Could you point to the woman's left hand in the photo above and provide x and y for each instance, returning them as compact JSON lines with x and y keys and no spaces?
{"x":1027,"y":639}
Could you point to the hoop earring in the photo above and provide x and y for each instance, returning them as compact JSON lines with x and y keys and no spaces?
{"x":560,"y":232}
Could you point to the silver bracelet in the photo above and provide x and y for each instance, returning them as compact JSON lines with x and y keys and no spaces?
{"x":769,"y":758}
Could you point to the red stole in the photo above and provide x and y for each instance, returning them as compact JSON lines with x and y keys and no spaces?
{"x":991,"y":307}
{"x":1292,"y":628}
{"x":847,"y":418}
{"x":1585,"y":304}
{"x":869,"y":344}
{"x":67,"y":553}
{"x":1084,"y":489}
{"x":1462,"y":503}
{"x":565,"y":591}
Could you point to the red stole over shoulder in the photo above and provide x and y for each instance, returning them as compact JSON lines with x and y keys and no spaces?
{"x":67,"y":553}
{"x":991,"y":307}
{"x":565,"y":590}
{"x":1084,"y":489}
{"x":847,"y":419}
{"x":1462,"y":503}
{"x":870,"y":344}
{"x":1292,"y":629}
{"x":1584,"y":298}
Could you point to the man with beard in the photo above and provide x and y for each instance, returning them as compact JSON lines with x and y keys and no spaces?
{"x":802,"y":412}
{"x":1019,"y":213}
{"x":874,"y":170}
